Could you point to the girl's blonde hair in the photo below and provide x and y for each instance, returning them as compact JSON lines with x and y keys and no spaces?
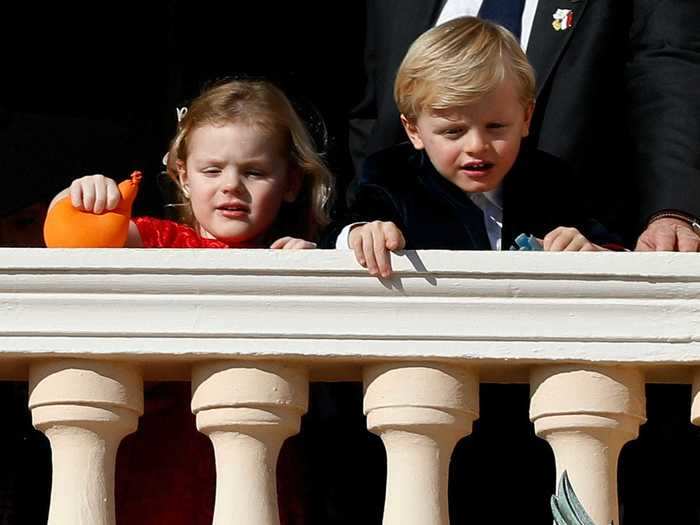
{"x":457,"y":63}
{"x":261,"y":104}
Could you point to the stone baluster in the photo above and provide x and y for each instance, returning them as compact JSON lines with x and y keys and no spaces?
{"x":85,"y":408}
{"x":247,"y":410}
{"x":587,"y":413}
{"x":420,"y":411}
{"x":695,"y":407}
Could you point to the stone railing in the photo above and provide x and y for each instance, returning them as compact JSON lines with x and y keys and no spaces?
{"x":251,"y":328}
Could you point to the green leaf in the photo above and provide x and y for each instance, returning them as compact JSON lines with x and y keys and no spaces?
{"x":566,"y":507}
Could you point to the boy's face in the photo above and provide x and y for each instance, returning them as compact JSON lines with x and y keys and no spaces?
{"x":474,"y":146}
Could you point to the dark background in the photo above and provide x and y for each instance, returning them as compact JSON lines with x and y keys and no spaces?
{"x":92,"y":88}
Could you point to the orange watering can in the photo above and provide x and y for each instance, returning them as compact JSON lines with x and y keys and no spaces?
{"x":69,"y":227}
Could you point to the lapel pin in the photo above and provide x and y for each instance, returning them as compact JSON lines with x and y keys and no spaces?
{"x":563,"y":19}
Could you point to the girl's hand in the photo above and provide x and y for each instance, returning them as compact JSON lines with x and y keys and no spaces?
{"x":292,"y":243}
{"x":94,"y":193}
{"x":563,"y":239}
{"x":372,"y":243}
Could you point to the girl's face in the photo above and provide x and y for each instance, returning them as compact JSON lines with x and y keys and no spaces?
{"x":237,"y":176}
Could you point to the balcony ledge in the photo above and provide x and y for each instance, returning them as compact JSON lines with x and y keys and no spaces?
{"x":494,"y":308}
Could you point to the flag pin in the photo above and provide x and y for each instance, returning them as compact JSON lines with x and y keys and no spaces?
{"x":563,"y":19}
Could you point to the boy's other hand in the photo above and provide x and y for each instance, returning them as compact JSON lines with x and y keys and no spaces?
{"x":94,"y":193}
{"x":563,"y":239}
{"x":372,"y":243}
{"x":292,"y":243}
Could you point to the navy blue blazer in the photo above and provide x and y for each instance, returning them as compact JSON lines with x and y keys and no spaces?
{"x":400,"y":184}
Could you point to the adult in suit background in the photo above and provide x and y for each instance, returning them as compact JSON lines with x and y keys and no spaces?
{"x":615,"y":98}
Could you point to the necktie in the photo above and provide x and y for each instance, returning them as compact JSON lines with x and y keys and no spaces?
{"x":507,"y":13}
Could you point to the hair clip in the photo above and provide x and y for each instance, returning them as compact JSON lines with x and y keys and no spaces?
{"x":181,"y":112}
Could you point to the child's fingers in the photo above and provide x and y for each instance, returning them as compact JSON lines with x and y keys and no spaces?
{"x":381,"y":253}
{"x":114,"y":197}
{"x":560,"y":243}
{"x":549,"y":238}
{"x":279,"y":243}
{"x":394,"y":238}
{"x":558,"y":239}
{"x":298,"y":244}
{"x":355,"y":243}
{"x":368,"y":252}
{"x":76,"y":194}
{"x":100,"y":194}
{"x":576,"y":243}
{"x":93,"y":193}
{"x":88,"y":186}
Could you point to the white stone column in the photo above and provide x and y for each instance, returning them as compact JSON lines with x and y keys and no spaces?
{"x":420,"y":410}
{"x":695,"y":407}
{"x":587,"y":414}
{"x":85,"y":408}
{"x":248,"y":410}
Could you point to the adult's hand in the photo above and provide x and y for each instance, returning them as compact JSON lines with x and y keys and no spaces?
{"x":667,"y":234}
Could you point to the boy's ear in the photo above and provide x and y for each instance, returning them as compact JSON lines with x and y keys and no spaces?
{"x":529,"y":110}
{"x":412,"y":131}
{"x":295,"y":177}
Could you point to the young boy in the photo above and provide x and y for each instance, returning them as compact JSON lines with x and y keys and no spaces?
{"x":465,"y":91}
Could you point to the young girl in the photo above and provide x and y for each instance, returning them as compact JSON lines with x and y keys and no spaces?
{"x":250,"y":178}
{"x":248,"y":172}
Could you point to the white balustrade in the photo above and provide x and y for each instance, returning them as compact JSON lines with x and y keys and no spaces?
{"x":250,"y":328}
{"x":85,"y":408}
{"x":587,"y":415}
{"x":420,"y":410}
{"x":248,"y":410}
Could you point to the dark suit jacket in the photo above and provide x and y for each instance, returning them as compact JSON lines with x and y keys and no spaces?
{"x":401,"y":185}
{"x":616,"y":98}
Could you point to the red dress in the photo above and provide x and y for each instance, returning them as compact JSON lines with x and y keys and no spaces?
{"x":161,"y":233}
{"x":165,"y":470}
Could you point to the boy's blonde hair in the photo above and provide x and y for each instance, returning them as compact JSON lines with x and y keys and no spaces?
{"x":457,"y":63}
{"x":259,"y":103}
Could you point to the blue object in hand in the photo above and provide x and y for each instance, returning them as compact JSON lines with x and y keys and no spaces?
{"x":527,"y":243}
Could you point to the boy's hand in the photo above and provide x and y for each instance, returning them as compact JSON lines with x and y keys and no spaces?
{"x":94,"y":193}
{"x":372,"y":243}
{"x":292,"y":243}
{"x":563,"y":239}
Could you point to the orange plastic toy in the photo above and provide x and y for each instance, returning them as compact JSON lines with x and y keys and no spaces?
{"x":69,"y":227}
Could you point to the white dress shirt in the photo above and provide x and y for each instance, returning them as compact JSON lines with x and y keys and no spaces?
{"x":491,"y":204}
{"x":456,"y":8}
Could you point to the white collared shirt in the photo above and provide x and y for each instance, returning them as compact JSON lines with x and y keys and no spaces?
{"x":491,"y":204}
{"x":456,"y":8}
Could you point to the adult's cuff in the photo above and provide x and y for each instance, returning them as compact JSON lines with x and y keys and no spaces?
{"x":692,"y":221}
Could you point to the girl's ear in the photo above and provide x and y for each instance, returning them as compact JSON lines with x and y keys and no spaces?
{"x":412,"y":131}
{"x":295,"y":177}
{"x":182,"y":177}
